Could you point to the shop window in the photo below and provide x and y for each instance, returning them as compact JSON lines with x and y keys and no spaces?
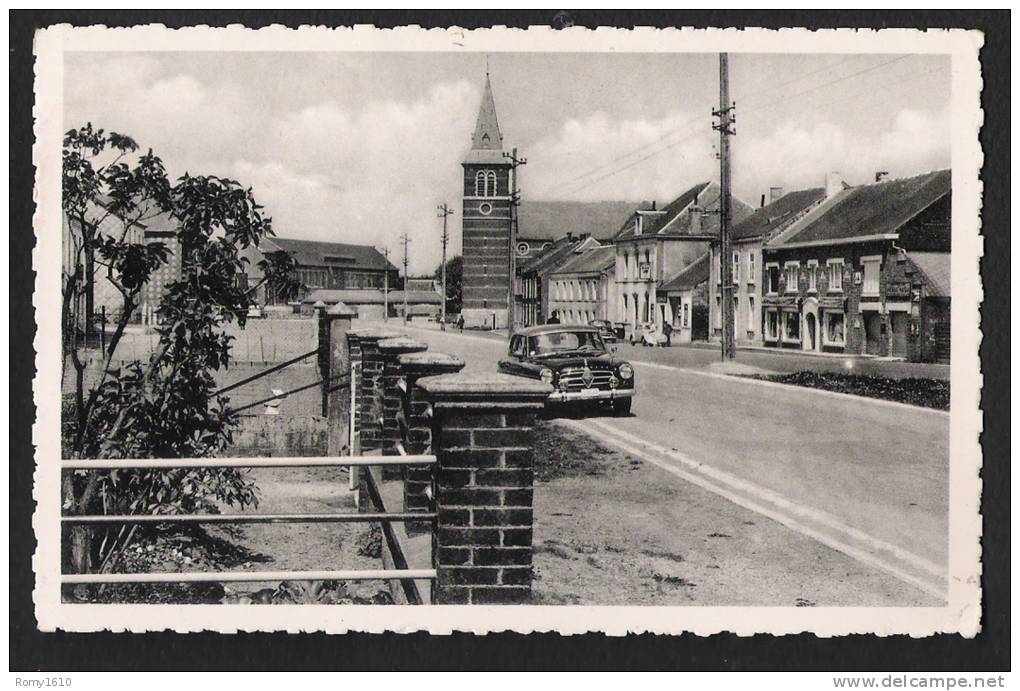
{"x":772,"y":325}
{"x":687,"y":313}
{"x":791,"y":326}
{"x":750,"y":314}
{"x":835,"y":331}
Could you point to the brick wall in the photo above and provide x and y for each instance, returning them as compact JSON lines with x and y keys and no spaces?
{"x":390,"y":350}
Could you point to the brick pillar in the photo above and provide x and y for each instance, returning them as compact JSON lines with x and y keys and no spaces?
{"x":416,"y":426}
{"x":365,"y":343}
{"x":388,"y":392}
{"x":483,"y":440}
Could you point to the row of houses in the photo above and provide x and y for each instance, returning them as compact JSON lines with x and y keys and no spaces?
{"x":838,"y":268}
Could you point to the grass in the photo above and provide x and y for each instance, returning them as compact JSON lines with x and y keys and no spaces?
{"x":924,"y":392}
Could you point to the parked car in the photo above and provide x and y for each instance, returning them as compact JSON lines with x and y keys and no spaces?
{"x":575,"y":361}
{"x":255,"y":312}
{"x":647,"y":334}
{"x":606,"y":330}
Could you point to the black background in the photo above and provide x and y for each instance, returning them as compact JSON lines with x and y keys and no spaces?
{"x":31,"y":650}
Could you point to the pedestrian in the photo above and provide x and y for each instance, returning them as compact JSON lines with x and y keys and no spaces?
{"x":460,"y":322}
{"x":553,"y":319}
{"x":667,"y":330}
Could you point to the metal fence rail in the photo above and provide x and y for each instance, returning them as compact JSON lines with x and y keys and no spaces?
{"x":404,"y":574}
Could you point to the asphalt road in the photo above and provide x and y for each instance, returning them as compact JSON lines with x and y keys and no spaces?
{"x":866,"y":478}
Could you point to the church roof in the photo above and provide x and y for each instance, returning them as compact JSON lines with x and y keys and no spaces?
{"x":487,"y":141}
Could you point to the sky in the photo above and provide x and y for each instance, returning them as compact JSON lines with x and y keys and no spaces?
{"x":362,"y":147}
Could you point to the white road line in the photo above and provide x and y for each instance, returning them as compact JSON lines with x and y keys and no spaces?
{"x":792,"y":515}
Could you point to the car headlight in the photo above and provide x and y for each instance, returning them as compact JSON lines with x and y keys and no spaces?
{"x":547,"y":375}
{"x":626,"y":371}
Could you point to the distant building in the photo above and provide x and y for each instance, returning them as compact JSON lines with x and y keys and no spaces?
{"x":748,"y":236}
{"x":541,"y":223}
{"x":867,"y":271}
{"x":322,"y":266}
{"x":580,"y":287}
{"x":655,"y":244}
{"x":532,"y":290}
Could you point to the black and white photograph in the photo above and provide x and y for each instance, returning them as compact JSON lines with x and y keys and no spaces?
{"x":441,"y":330}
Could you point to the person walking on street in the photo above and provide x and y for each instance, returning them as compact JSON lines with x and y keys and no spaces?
{"x":667,"y":330}
{"x":460,"y":322}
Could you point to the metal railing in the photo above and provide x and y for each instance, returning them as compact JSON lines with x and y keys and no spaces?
{"x":246,"y":576}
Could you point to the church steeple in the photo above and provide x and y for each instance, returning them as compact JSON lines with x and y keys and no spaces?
{"x":487,"y":136}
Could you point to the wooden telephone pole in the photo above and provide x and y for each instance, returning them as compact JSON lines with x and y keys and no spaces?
{"x":444,"y":212}
{"x":515,"y":200}
{"x":725,"y":128}
{"x":405,"y":238}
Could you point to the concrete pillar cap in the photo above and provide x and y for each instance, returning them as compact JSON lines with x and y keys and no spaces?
{"x":374,"y":332}
{"x":319,"y":304}
{"x":431,"y":361}
{"x":401,"y":344}
{"x":484,"y":390}
{"x":340,"y":310}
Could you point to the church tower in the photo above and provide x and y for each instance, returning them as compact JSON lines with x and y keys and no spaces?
{"x":486,"y":223}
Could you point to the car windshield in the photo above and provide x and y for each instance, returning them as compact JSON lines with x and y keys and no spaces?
{"x":565,"y":342}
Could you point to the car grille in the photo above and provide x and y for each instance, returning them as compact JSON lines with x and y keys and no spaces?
{"x":571,"y":379}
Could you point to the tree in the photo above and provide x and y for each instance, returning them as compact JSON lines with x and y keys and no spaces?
{"x":165,"y":406}
{"x":454,"y":283}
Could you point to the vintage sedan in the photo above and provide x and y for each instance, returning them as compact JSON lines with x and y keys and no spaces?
{"x":575,"y":361}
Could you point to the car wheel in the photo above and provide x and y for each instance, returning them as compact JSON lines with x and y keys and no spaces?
{"x":621,"y":406}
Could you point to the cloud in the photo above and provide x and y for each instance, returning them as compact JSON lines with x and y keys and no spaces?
{"x":660,"y":158}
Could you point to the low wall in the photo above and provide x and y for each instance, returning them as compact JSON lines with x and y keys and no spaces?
{"x":279,"y":435}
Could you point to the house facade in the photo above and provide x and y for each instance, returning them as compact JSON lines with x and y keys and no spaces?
{"x":748,"y":238}
{"x":580,"y":287}
{"x":687,"y":300}
{"x":656,"y":244}
{"x":866,"y":272}
{"x":531,"y":286}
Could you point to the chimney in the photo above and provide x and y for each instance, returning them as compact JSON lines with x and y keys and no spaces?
{"x":695,"y":221}
{"x":653,"y":205}
{"x":881,"y":175}
{"x":833,"y":184}
{"x":762,"y":201}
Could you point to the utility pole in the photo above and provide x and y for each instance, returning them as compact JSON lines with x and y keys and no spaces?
{"x":405,"y":238}
{"x":444,"y":212}
{"x":386,"y":285}
{"x":726,"y":130}
{"x":515,"y":200}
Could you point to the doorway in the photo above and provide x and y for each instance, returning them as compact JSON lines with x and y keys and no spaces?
{"x":810,"y":331}
{"x":874,"y":332}
{"x":899,"y":334}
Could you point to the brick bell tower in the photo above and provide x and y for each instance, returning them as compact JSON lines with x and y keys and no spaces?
{"x":486,"y":223}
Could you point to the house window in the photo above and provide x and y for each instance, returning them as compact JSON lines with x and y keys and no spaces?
{"x":772,"y":275}
{"x":750,"y":267}
{"x":772,"y":325}
{"x":835,"y":332}
{"x":812,"y":276}
{"x":736,"y":267}
{"x":750,"y":314}
{"x":835,"y":275}
{"x":791,"y":326}
{"x":792,"y":276}
{"x":872,"y":271}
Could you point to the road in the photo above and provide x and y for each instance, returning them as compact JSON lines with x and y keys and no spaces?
{"x":868,"y":479}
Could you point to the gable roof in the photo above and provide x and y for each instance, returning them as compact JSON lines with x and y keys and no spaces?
{"x":675,"y":217}
{"x":765,"y":221}
{"x":692,"y":276}
{"x":353,"y":296}
{"x":878,"y":209}
{"x":314,"y":253}
{"x":935,"y":267}
{"x":545,"y":220}
{"x":594,"y":260}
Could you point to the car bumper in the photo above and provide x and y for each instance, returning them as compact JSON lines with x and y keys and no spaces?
{"x":590,"y":395}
